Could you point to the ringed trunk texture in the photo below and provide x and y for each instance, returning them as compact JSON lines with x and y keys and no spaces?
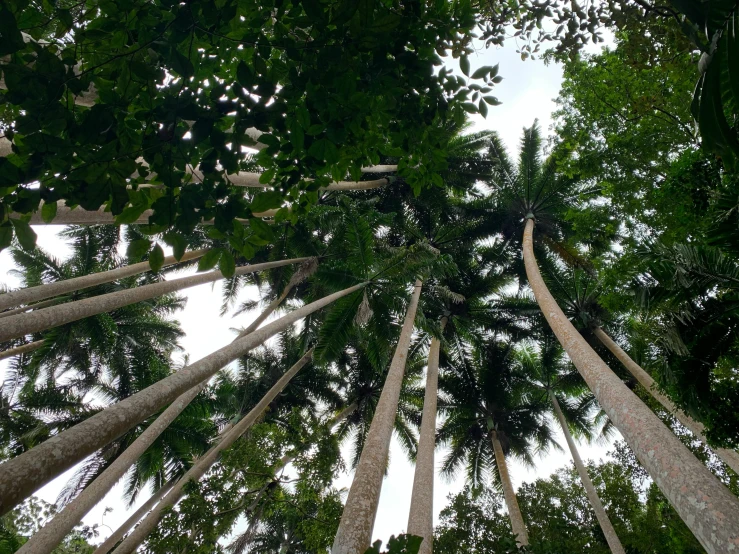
{"x":22,"y":475}
{"x":421,"y":517}
{"x":729,"y":457}
{"x":119,"y":533}
{"x":39,"y":320}
{"x":42,"y":292}
{"x":355,"y":529}
{"x":600,"y":512}
{"x":24,"y":349}
{"x":51,"y":534}
{"x":201,"y":467}
{"x":709,"y":510}
{"x":514,"y":512}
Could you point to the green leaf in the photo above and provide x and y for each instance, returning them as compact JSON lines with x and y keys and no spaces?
{"x":261,"y":229}
{"x":481,"y":72}
{"x":492,"y":100}
{"x":156,"y":258}
{"x":137,"y":248}
{"x":130,"y":214}
{"x":266,"y":201}
{"x":469,"y":107}
{"x":226,"y":264}
{"x":483,"y":107}
{"x":464,"y":65}
{"x":48,"y":211}
{"x":245,"y":76}
{"x":26,"y":235}
{"x":6,"y":236}
{"x":177,"y":242}
{"x":210,"y":259}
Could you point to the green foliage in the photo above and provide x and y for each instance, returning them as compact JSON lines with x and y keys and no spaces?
{"x":403,"y":544}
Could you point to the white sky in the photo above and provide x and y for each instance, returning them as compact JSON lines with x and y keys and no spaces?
{"x":527,"y":93}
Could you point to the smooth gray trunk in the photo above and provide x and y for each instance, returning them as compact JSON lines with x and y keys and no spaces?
{"x":355,"y":529}
{"x":729,"y":457}
{"x":22,"y":475}
{"x":421,"y":516}
{"x":600,"y":512}
{"x":52,"y":533}
{"x":709,"y":510}
{"x":42,"y":292}
{"x":37,"y":306}
{"x":201,"y":467}
{"x":23,"y":349}
{"x":514,"y":512}
{"x":119,"y":533}
{"x":46,"y":318}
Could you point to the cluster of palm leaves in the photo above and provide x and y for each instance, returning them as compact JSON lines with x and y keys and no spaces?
{"x":241,"y":449}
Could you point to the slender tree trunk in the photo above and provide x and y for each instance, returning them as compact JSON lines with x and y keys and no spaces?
{"x":709,"y":510}
{"x":22,"y":475}
{"x":514,"y":512}
{"x":119,"y":533}
{"x":42,"y":292}
{"x":204,"y":464}
{"x":600,"y":512}
{"x":39,"y":320}
{"x":24,"y":349}
{"x":53,"y":532}
{"x":355,"y":530}
{"x":729,"y":457}
{"x":37,"y":306}
{"x":421,"y":517}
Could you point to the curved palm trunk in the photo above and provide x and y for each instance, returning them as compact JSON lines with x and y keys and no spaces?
{"x":53,"y":532}
{"x":514,"y":512}
{"x":22,"y":475}
{"x":39,"y":320}
{"x":42,"y":292}
{"x":729,"y":457}
{"x":600,"y":512}
{"x":421,"y":517}
{"x":355,"y":529}
{"x":709,"y":510}
{"x":24,"y":349}
{"x":119,"y":533}
{"x":204,"y":464}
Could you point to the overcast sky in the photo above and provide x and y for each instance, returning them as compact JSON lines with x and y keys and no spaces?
{"x":527,"y":93}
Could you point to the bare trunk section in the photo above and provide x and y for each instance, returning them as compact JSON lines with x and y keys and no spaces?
{"x":119,"y":533}
{"x":204,"y":464}
{"x":514,"y":512}
{"x":355,"y":530}
{"x":39,"y":320}
{"x":51,"y":534}
{"x":37,"y":306}
{"x":600,"y":512}
{"x":421,"y":517}
{"x":729,"y":457}
{"x":24,"y":349}
{"x":42,"y":292}
{"x":22,"y":475}
{"x":709,"y":510}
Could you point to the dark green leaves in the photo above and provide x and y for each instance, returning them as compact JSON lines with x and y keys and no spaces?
{"x":403,"y":544}
{"x":48,"y":211}
{"x":26,"y":236}
{"x":226,"y":264}
{"x":266,"y":201}
{"x":209,"y":260}
{"x":156,"y":258}
{"x":464,"y":65}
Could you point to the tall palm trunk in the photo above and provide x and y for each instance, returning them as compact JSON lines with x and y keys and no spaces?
{"x":421,"y":517}
{"x":200,"y":467}
{"x":119,"y":533}
{"x":42,"y":292}
{"x":600,"y":512}
{"x":355,"y":529}
{"x":23,"y":349}
{"x":52,"y":533}
{"x":729,"y":457}
{"x":22,"y":475}
{"x":36,"y":306}
{"x":709,"y":510}
{"x":39,"y":320}
{"x":514,"y":512}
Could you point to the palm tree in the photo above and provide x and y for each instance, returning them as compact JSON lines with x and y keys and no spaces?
{"x":531,"y":191}
{"x":546,"y":369}
{"x":489,"y":416}
{"x":24,"y":473}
